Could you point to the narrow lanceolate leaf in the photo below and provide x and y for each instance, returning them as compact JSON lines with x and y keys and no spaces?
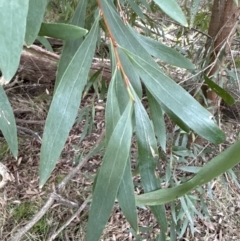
{"x":45,"y":43}
{"x":121,"y":92}
{"x":112,"y":113}
{"x":166,"y":91}
{"x":163,"y":52}
{"x":7,"y":123}
{"x":219,"y":91}
{"x":147,"y":156}
{"x":136,"y":9}
{"x":173,"y":10}
{"x":173,"y":99}
{"x":126,"y":198}
{"x":35,"y":16}
{"x":158,"y":121}
{"x":65,"y":103}
{"x":61,"y":31}
{"x":110,"y":175}
{"x":218,"y":165}
{"x":186,"y":209}
{"x":13,"y":26}
{"x":71,"y":46}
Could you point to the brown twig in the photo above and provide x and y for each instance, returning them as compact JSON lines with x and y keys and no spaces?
{"x":64,"y":201}
{"x":54,"y":235}
{"x":30,"y":132}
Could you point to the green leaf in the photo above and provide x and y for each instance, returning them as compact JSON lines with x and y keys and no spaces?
{"x":62,"y":31}
{"x":163,"y":52}
{"x":173,"y":10}
{"x":13,"y":24}
{"x":44,"y":41}
{"x":35,"y":16}
{"x":112,"y":113}
{"x":192,"y":205}
{"x":158,"y":121}
{"x":175,"y":118}
{"x":147,"y":156}
{"x":110,"y":175}
{"x":7,"y":123}
{"x":136,"y":9}
{"x":71,"y":46}
{"x":131,"y":73}
{"x":126,"y":198}
{"x":219,"y":91}
{"x":186,"y":209}
{"x":92,"y":81}
{"x":147,"y":147}
{"x":218,"y":165}
{"x":191,"y":169}
{"x":65,"y":103}
{"x":175,"y":98}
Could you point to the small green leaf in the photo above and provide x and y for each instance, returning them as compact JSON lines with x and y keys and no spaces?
{"x":45,"y":43}
{"x":186,"y":209}
{"x":215,"y":167}
{"x":62,"y":31}
{"x":7,"y":123}
{"x":13,"y":26}
{"x":92,"y":81}
{"x":136,"y":9}
{"x":191,"y":169}
{"x":172,"y":9}
{"x":192,"y":205}
{"x":219,"y":91}
{"x":110,"y":175}
{"x":65,"y":103}
{"x":35,"y":16}
{"x":126,"y":198}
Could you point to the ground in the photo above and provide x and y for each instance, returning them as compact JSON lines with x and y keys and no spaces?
{"x":21,"y":199}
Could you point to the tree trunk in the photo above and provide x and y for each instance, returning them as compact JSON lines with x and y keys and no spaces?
{"x":222,"y":28}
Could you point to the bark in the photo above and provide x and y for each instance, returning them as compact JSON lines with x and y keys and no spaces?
{"x":222,"y":28}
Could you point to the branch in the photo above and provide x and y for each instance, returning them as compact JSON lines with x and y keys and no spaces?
{"x":70,"y":219}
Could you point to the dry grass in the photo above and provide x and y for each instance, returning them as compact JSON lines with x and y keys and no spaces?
{"x":22,"y":199}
